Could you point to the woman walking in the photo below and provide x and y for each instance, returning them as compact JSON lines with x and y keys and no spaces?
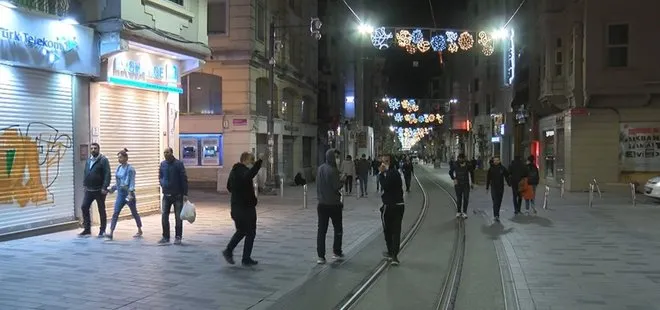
{"x":125,"y":187}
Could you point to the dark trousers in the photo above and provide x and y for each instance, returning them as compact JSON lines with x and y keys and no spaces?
{"x":325,"y":214}
{"x":517,"y":199}
{"x":120,"y":202}
{"x":246,"y":227}
{"x":99,"y":197}
{"x":462,"y":197}
{"x":391,"y":216}
{"x":348,"y":184}
{"x":407,"y":178}
{"x":364,"y":181}
{"x":377,"y":182}
{"x":496,"y":194}
{"x":168,"y":201}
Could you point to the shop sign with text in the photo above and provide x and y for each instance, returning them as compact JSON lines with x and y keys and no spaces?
{"x":143,"y":70}
{"x":640,"y":146}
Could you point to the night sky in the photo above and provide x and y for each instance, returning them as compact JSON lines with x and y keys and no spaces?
{"x":404,"y":79}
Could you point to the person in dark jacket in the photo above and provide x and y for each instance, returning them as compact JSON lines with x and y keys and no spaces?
{"x":174,"y":183}
{"x":329,"y":182}
{"x":243,"y":207}
{"x":517,"y":171}
{"x":533,"y":181}
{"x":495,"y":179}
{"x":408,"y":171}
{"x":392,"y":210}
{"x":460,"y":172}
{"x":362,"y":171}
{"x":96,"y":183}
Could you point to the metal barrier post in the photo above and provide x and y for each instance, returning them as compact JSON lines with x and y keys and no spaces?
{"x":305,"y":196}
{"x":545,"y":197}
{"x":282,"y":186}
{"x":600,"y":195}
{"x":357,"y":192}
{"x":591,"y":194}
{"x":633,"y":193}
{"x":562,"y":189}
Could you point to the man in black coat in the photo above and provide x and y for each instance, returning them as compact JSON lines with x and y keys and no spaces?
{"x":497,"y":176}
{"x":243,"y":207}
{"x":393,"y":207}
{"x":517,"y":171}
{"x":460,"y":172}
{"x":97,"y":180}
{"x":408,"y":171}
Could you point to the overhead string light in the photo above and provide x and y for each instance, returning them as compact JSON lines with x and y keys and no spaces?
{"x":423,"y":40}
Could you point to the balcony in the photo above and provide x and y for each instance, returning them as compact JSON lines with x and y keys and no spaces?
{"x":52,"y":7}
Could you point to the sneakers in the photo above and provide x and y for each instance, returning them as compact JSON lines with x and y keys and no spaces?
{"x":395,"y":261}
{"x":229,"y":257}
{"x":464,"y":215}
{"x":387,"y":255}
{"x":321,"y":260}
{"x":338,"y":257}
{"x":138,"y":235}
{"x":459,"y":214}
{"x":164,"y":241}
{"x":85,"y":233}
{"x":108,"y":237}
{"x":101,"y":234}
{"x":249,"y":262}
{"x":497,"y":219}
{"x":177,"y":241}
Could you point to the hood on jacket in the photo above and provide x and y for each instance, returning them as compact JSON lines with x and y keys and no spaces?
{"x":330,"y":157}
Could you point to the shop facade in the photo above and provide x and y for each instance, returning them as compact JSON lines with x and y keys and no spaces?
{"x":45,"y":71}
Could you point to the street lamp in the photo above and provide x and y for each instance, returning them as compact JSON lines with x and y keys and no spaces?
{"x":273,"y":45}
{"x":365,"y":29}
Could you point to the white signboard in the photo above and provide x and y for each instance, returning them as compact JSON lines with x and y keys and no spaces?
{"x":640,"y":147}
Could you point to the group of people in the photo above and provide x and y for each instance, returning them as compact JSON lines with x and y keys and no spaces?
{"x":522,"y":177}
{"x":97,"y":185}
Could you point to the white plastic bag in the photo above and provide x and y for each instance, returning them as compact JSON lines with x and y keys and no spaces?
{"x":188,"y":212}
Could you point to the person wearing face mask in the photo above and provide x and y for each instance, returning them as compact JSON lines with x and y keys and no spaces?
{"x":462,"y":176}
{"x":391,"y":213}
{"x":243,"y":207}
{"x":125,"y":187}
{"x":495,"y":179}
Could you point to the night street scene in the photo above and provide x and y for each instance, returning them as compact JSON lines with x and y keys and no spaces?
{"x":329,"y":155}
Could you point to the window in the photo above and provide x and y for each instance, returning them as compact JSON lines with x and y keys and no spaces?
{"x":617,"y":45}
{"x":202,"y":94}
{"x":475,"y":87}
{"x":217,"y":17}
{"x":261,"y":22}
{"x":179,"y":2}
{"x":476,"y":109}
{"x":559,"y":58}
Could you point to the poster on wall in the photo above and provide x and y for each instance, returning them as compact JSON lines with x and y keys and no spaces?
{"x":640,"y":146}
{"x":189,"y":150}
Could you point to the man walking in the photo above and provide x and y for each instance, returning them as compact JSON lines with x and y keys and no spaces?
{"x":328,"y":184}
{"x":460,"y":173}
{"x":495,"y":179}
{"x":174,"y":182}
{"x":391,"y":213}
{"x":408,"y":170}
{"x":348,"y":171}
{"x":517,"y":171}
{"x":362,"y":170}
{"x":97,"y":180}
{"x":243,"y":207}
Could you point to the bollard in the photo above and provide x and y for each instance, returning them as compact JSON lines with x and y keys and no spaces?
{"x":545,"y":197}
{"x":562,"y":188}
{"x":359,"y":189}
{"x":591,"y":194}
{"x":255,"y":184}
{"x":305,"y":196}
{"x":633,"y":193}
{"x":282,"y":187}
{"x":595,"y":183}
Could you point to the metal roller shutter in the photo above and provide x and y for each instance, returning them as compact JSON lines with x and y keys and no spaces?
{"x":287,"y":153}
{"x":130,"y":118}
{"x":36,"y":149}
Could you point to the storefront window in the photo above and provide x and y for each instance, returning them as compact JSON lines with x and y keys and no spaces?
{"x":202,"y":94}
{"x":201,"y":150}
{"x":549,"y":153}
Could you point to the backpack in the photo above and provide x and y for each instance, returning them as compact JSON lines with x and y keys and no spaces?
{"x":533,"y":176}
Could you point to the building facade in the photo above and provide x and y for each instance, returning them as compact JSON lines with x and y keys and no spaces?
{"x":239,"y":37}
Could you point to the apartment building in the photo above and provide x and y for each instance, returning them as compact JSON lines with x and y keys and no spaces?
{"x":599,"y":92}
{"x":238,"y":32}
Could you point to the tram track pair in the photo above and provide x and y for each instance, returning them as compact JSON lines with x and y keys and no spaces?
{"x":446,"y":298}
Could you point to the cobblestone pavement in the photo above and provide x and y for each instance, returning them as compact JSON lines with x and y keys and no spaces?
{"x":61,"y":271}
{"x":575,"y":257}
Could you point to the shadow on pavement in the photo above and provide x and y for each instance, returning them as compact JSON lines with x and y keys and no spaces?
{"x":538,"y":220}
{"x":495,"y":230}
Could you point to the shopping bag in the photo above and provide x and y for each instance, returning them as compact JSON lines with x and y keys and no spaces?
{"x":188,"y":212}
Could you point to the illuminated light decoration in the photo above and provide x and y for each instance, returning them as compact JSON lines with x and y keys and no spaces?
{"x":451,"y":36}
{"x":398,"y":117}
{"x":403,"y":38}
{"x":424,"y":46}
{"x":417,"y":36}
{"x":380,"y":38}
{"x":404,"y":104}
{"x":406,"y":117}
{"x":486,"y":41}
{"x":465,"y":41}
{"x":453,"y":47}
{"x":411,"y":49}
{"x":394,"y":104}
{"x":509,"y":60}
{"x":438,"y":43}
{"x":421,"y":119}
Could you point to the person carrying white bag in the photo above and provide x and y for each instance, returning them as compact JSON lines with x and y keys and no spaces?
{"x":188,"y":212}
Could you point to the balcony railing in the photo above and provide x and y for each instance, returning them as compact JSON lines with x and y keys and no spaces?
{"x":52,"y":7}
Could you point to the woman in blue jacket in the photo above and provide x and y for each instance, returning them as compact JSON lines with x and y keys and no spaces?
{"x":125,"y":187}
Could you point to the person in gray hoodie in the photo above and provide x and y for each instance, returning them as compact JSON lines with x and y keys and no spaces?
{"x":330,"y":207}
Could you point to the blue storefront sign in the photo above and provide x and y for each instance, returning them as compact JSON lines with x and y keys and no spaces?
{"x":144,"y":70}
{"x":37,"y":42}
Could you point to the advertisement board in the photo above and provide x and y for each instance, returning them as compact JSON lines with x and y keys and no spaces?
{"x":640,"y":146}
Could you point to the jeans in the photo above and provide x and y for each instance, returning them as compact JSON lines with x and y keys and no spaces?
{"x":99,"y":197}
{"x":246,"y":227}
{"x":348,"y":184}
{"x":120,"y":202}
{"x":462,"y":197}
{"x":407,"y":178}
{"x":517,"y":199}
{"x":364,"y":181}
{"x":325,"y":214}
{"x":532,"y":201}
{"x":391,"y":217}
{"x":168,"y":201}
{"x":496,"y":195}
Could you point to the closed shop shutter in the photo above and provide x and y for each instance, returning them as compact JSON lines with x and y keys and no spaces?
{"x":287,"y":153}
{"x":130,"y":118}
{"x":36,"y":149}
